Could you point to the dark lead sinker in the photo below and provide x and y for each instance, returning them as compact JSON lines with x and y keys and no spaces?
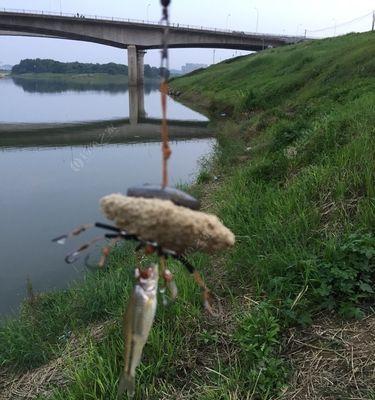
{"x":177,"y":196}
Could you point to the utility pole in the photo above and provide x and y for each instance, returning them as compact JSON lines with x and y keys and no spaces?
{"x":334,"y":29}
{"x":297,"y":30}
{"x":213,"y":56}
{"x":373,"y":21}
{"x":148,"y":7}
{"x":228,"y":16}
{"x":257,"y":25}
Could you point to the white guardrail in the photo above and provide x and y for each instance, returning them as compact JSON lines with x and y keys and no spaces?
{"x":144,"y":22}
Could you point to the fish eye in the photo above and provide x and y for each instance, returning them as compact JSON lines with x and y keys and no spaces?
{"x":146,"y":273}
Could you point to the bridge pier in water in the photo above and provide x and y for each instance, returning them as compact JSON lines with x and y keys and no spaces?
{"x":141,"y":67}
{"x":136,"y":66}
{"x":136,"y":104}
{"x":136,"y":84}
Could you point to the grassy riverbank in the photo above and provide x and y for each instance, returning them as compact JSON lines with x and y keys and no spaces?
{"x":296,"y":161}
{"x":293,"y":177}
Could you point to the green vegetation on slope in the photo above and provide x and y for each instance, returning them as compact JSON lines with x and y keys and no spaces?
{"x":293,"y":177}
{"x":298,"y":160}
{"x":304,"y":196}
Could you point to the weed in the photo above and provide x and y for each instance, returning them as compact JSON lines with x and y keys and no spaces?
{"x":258,"y":337}
{"x":345,"y":278}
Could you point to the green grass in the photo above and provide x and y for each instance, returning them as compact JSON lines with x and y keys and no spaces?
{"x":293,"y":176}
{"x":297,"y":154}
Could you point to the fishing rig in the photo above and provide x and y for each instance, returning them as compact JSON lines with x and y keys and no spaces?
{"x":163,"y":221}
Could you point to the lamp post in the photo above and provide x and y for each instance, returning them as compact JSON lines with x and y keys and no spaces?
{"x":228,"y":16}
{"x":148,"y":7}
{"x":257,"y":25}
{"x":60,"y":7}
{"x":334,"y":28}
{"x":298,"y":26}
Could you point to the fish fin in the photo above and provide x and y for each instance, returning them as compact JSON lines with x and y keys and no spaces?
{"x":127,"y":382}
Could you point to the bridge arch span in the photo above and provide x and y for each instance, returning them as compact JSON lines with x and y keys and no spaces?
{"x":144,"y":36}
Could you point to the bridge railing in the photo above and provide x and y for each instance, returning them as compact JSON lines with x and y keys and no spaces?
{"x":144,"y":22}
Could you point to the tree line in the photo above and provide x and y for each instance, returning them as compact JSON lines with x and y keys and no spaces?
{"x":39,"y":66}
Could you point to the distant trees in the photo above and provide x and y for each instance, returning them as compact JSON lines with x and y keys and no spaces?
{"x":151,"y":72}
{"x":39,"y":66}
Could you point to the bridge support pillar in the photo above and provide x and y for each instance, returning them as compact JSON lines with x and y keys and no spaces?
{"x":136,"y":84}
{"x":136,"y":66}
{"x":136,"y":104}
{"x":133,"y":104}
{"x":132,"y":66}
{"x":141,"y":83}
{"x":141,"y":103}
{"x":141,"y":67}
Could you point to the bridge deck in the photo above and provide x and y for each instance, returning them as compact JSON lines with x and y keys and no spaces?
{"x":119,"y":32}
{"x":142,"y":23}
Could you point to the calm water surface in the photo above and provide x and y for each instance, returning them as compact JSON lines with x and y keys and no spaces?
{"x":48,"y":184}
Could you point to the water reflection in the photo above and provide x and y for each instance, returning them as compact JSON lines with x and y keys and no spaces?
{"x":53,"y":174}
{"x":103,"y":132}
{"x":60,"y":85}
{"x":41,"y":104}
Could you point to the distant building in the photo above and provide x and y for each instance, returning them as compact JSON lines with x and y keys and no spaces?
{"x":190,"y":67}
{"x":175,"y":72}
{"x":6,"y":67}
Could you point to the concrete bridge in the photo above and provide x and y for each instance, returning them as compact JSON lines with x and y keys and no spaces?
{"x":135,"y":36}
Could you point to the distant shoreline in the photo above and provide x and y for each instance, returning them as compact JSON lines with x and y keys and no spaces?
{"x":4,"y":74}
{"x":78,"y":78}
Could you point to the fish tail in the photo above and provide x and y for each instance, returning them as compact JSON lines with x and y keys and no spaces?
{"x":127,"y":382}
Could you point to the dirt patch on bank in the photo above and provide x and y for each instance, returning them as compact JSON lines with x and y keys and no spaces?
{"x":332,"y":360}
{"x":43,"y":380}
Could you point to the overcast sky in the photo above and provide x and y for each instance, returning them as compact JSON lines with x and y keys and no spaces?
{"x":274,"y":16}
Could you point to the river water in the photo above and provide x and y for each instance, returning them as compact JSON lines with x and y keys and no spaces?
{"x":64,"y":146}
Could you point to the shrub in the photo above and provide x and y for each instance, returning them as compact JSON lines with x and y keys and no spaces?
{"x":252,"y":100}
{"x":346,"y":277}
{"x":258,"y":337}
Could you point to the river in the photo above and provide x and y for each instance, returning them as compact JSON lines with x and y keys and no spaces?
{"x":64,"y":146}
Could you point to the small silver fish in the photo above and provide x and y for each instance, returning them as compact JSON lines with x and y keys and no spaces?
{"x":138,"y":321}
{"x":171,"y":284}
